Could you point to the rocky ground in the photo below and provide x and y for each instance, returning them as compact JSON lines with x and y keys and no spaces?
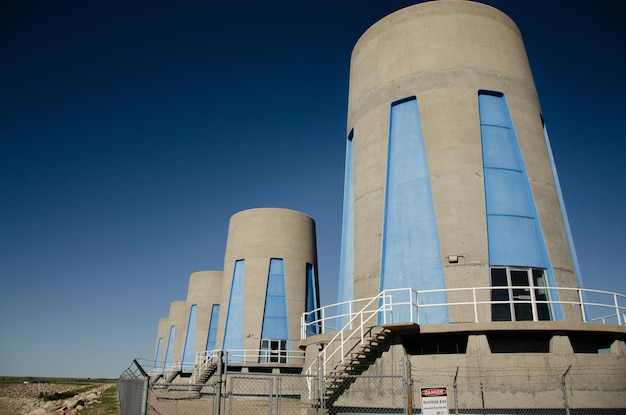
{"x":22,"y":399}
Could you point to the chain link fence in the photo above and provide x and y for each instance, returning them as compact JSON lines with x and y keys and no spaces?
{"x":458,"y":390}
{"x":132,"y":390}
{"x":537,"y":392}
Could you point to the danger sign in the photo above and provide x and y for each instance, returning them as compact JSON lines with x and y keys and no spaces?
{"x":434,"y":401}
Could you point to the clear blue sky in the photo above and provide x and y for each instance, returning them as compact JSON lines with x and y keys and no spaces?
{"x":130,"y":132}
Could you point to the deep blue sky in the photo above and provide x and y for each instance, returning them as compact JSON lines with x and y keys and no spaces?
{"x":130,"y":132}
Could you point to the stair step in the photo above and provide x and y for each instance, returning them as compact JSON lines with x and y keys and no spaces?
{"x":335,"y":389}
{"x":350,"y":366}
{"x":353,"y":363}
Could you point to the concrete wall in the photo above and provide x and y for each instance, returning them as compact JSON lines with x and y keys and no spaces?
{"x":442,"y":53}
{"x":488,"y":377}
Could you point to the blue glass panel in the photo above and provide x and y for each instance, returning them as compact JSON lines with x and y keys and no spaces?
{"x":515,"y":237}
{"x":157,"y":359}
{"x":410,"y":243}
{"x":275,"y":315}
{"x":311,"y":299}
{"x":507,"y":193}
{"x":346,"y":267}
{"x":233,"y":331}
{"x":492,"y":112}
{"x":570,"y":238}
{"x":499,"y":148}
{"x":169,"y":353}
{"x":211,"y":339}
{"x":189,"y":351}
{"x":522,"y":242}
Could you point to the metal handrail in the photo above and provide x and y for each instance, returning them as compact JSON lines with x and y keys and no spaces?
{"x":343,"y":336}
{"x":251,"y":356}
{"x":202,"y":362}
{"x":323,"y":320}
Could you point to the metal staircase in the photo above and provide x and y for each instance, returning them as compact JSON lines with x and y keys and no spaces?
{"x":205,"y":367}
{"x":358,"y":360}
{"x":351,"y":351}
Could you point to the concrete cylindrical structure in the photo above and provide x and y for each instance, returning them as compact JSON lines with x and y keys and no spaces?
{"x":163,"y":331}
{"x":440,"y":54}
{"x":204,"y":293}
{"x":177,"y":319}
{"x":270,"y":273}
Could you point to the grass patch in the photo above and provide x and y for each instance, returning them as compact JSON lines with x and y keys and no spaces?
{"x":62,"y":395}
{"x":108,"y":404}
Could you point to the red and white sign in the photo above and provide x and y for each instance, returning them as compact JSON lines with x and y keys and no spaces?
{"x":434,"y":401}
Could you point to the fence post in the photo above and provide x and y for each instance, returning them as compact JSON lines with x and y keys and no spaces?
{"x":408,"y":382}
{"x":456,"y":392}
{"x":217,"y":403}
{"x":564,"y":387}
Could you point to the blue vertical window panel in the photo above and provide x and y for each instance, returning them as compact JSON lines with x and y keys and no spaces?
{"x":275,"y":325}
{"x":570,"y":238}
{"x":157,"y":359}
{"x":169,"y":353}
{"x":346,"y":266}
{"x":233,"y":331}
{"x":211,"y":338}
{"x":410,"y":242}
{"x":515,"y":237}
{"x":499,"y":148}
{"x":512,"y":184}
{"x":520,"y":234}
{"x":312,"y":302}
{"x":189,"y":352}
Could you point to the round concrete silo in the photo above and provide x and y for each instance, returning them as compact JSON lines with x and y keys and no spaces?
{"x":439,"y":57}
{"x":203,"y":299}
{"x":177,"y":320}
{"x":163,"y":331}
{"x":270,"y":279}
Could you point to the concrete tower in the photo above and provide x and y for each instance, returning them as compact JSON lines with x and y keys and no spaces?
{"x":452,"y":199}
{"x":270,"y":270}
{"x":203,"y":303}
{"x":449,"y":177}
{"x":175,"y":327}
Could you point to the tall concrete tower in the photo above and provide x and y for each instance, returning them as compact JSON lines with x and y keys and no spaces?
{"x":450,"y":181}
{"x":270,"y":279}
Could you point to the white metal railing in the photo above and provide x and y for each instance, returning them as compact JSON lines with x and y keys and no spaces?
{"x":171,"y":368}
{"x":203,"y":361}
{"x":355,"y":327}
{"x":261,"y":356}
{"x":205,"y":358}
{"x":408,"y":305}
{"x":156,"y":370}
